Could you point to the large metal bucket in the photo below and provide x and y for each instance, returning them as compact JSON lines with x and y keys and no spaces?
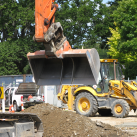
{"x":76,"y":67}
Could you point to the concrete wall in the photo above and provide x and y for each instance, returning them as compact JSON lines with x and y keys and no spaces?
{"x":50,"y":95}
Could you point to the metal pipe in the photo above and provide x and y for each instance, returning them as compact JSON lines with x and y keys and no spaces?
{"x":114,"y":71}
{"x":24,"y":78}
{"x":2,"y":96}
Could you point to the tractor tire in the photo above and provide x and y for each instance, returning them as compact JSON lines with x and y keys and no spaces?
{"x":120,"y":108}
{"x":86,"y":104}
{"x":105,"y":112}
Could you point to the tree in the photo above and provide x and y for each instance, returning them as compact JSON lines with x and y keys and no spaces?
{"x":108,"y":22}
{"x":114,"y":50}
{"x":13,"y":56}
{"x":114,"y":43}
{"x":126,"y":27}
{"x":16,"y":31}
{"x":17,"y":19}
{"x":126,"y":19}
{"x":83,"y":22}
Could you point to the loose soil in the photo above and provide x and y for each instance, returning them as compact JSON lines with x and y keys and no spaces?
{"x":59,"y":123}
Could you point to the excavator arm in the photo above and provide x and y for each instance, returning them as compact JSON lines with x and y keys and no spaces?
{"x":44,"y":17}
{"x":59,"y":64}
{"x":124,"y":90}
{"x":47,"y":31}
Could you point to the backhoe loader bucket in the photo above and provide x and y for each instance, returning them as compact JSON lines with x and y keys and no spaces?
{"x":76,"y":67}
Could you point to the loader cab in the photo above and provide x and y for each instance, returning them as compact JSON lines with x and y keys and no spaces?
{"x":110,"y":70}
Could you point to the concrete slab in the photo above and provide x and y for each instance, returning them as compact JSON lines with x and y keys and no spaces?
{"x":127,"y":124}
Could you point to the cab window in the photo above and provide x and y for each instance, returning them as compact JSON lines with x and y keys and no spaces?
{"x":108,"y":70}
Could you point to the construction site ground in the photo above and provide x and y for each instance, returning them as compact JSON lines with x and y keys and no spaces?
{"x":128,"y":124}
{"x":64,"y":123}
{"x":60,"y":123}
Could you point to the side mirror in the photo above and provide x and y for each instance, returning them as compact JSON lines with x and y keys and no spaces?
{"x":123,"y":77}
{"x":123,"y":66}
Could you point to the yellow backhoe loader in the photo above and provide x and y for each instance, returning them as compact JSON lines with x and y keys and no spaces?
{"x":112,"y":96}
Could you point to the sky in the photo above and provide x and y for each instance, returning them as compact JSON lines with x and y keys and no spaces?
{"x":105,"y":1}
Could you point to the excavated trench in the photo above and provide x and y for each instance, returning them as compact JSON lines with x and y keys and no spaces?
{"x":59,"y":123}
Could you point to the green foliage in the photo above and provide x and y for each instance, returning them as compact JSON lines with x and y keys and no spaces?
{"x":126,"y":19}
{"x":130,"y":70}
{"x":13,"y":56}
{"x":83,"y":22}
{"x":108,"y":22}
{"x":123,"y":42}
{"x":14,"y":16}
{"x":114,"y":42}
{"x":103,"y":53}
{"x":16,"y":31}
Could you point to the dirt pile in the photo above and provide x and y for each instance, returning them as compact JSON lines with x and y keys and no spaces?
{"x":59,"y":123}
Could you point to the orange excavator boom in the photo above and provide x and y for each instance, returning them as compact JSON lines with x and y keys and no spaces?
{"x":44,"y":17}
{"x":47,"y":31}
{"x":59,"y":63}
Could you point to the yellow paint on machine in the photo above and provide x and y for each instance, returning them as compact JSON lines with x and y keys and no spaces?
{"x":108,"y":60}
{"x":1,"y":92}
{"x":91,"y":90}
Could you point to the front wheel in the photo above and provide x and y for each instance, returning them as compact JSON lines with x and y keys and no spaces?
{"x":86,"y":104}
{"x":120,"y":108}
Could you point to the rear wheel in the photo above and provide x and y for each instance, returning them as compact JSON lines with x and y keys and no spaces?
{"x":15,"y":106}
{"x":86,"y":104}
{"x":120,"y":108}
{"x":105,"y":112}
